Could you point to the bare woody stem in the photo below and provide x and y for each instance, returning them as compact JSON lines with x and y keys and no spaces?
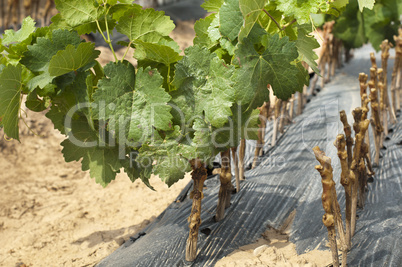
{"x":236,"y":164}
{"x":362,"y":128}
{"x":376,"y":123}
{"x":395,"y":72}
{"x":373,"y":60}
{"x":325,"y":170}
{"x":242,"y":153}
{"x":366,"y":144}
{"x":385,"y":46}
{"x":348,"y":133}
{"x":264,"y":111}
{"x":382,"y":106}
{"x":363,"y":84}
{"x":278,"y":105}
{"x":357,"y":115}
{"x":281,"y":128}
{"x":226,"y":187}
{"x":347,"y":180}
{"x":199,"y":175}
{"x":362,"y":183}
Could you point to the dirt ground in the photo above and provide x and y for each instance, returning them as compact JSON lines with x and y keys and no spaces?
{"x":53,"y":214}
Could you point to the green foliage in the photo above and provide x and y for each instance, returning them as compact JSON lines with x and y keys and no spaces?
{"x":250,"y":10}
{"x":365,"y":4}
{"x":10,"y":96}
{"x":272,"y":65}
{"x":169,"y":109}
{"x":71,"y":59}
{"x":27,"y":28}
{"x":230,"y":19}
{"x":133,"y":103}
{"x":208,"y":85}
{"x":305,"y":45}
{"x":146,"y":25}
{"x":83,"y":144}
{"x":375,"y":23}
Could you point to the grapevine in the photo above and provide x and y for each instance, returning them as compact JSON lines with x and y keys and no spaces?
{"x":170,"y":109}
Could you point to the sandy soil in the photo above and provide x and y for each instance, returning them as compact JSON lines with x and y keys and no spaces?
{"x":53,"y":214}
{"x":274,"y":249}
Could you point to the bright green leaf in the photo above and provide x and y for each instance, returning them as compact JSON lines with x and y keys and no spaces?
{"x":102,"y":161}
{"x":250,"y":9}
{"x":202,"y":37}
{"x":27,"y":28}
{"x":212,"y":5}
{"x":365,"y":4}
{"x":230,"y":19}
{"x":206,"y":83}
{"x":135,"y":103}
{"x":10,"y":96}
{"x":156,"y":52}
{"x":71,"y":59}
{"x":77,"y":12}
{"x":146,"y":25}
{"x":305,"y":46}
{"x":272,"y":67}
{"x":299,"y":9}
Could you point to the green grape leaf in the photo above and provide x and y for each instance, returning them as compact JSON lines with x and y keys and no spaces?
{"x":270,"y":67}
{"x":213,"y":29}
{"x":227,"y":45}
{"x":350,"y":27}
{"x":56,"y":114}
{"x":230,"y":19}
{"x":146,"y":25}
{"x":156,"y":52}
{"x":135,"y":103}
{"x":71,"y":59}
{"x":365,"y":4}
{"x":171,"y":157}
{"x":245,"y":122}
{"x":73,"y":98}
{"x":58,"y":23}
{"x":318,"y":19}
{"x":10,"y":99}
{"x":102,"y":161}
{"x":300,"y":10}
{"x":78,"y":12}
{"x":212,"y":5}
{"x":382,"y":22}
{"x":36,"y":104}
{"x":27,"y":28}
{"x":206,"y":82}
{"x":38,"y":56}
{"x":202,"y":37}
{"x":135,"y":170}
{"x":118,"y":10}
{"x":250,"y":10}
{"x":305,"y":46}
{"x":339,"y":4}
{"x":204,"y":142}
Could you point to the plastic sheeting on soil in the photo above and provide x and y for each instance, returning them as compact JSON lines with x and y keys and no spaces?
{"x":286,"y":182}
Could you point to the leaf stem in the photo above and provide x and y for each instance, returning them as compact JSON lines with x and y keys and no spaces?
{"x":269,"y":15}
{"x":125,"y":53}
{"x":107,"y":40}
{"x":277,"y":23}
{"x":108,"y":37}
{"x":288,"y":24}
{"x":168,"y":78}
